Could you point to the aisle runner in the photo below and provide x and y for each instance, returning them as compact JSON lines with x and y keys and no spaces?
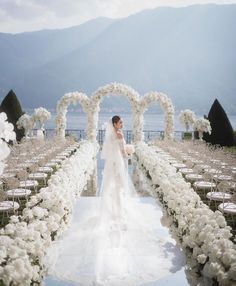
{"x":167,"y":256}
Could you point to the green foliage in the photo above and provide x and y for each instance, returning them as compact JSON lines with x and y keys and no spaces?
{"x":222,"y":131}
{"x":12,"y":107}
{"x":187,"y":135}
{"x":232,"y":149}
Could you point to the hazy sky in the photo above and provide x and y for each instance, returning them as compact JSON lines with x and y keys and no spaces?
{"x":29,"y":15}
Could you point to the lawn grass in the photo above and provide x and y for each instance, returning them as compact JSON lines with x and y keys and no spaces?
{"x":231,"y":149}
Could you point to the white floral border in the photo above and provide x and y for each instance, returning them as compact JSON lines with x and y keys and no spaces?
{"x":25,"y":240}
{"x":203,"y":231}
{"x":7,"y":134}
{"x":90,"y":106}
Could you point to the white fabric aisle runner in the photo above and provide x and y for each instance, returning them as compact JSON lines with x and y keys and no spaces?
{"x":131,"y":257}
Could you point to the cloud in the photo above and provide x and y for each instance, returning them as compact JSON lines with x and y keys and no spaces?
{"x":29,"y":15}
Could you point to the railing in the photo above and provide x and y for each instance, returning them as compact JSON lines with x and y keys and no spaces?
{"x":148,"y":134}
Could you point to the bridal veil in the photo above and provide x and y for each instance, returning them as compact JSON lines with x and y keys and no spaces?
{"x":117,"y":242}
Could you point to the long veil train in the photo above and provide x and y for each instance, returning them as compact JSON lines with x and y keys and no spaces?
{"x":118,"y":242}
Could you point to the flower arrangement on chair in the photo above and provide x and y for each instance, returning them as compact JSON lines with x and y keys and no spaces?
{"x":187,"y":117}
{"x":42,"y":115}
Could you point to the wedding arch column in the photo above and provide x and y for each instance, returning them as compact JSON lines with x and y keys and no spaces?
{"x":138,"y":125}
{"x":62,"y":108}
{"x":167,"y":107}
{"x":91,"y":112}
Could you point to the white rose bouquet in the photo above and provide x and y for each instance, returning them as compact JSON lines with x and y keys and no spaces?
{"x":129,"y":148}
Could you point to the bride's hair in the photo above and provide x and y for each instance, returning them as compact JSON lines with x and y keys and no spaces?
{"x":115,"y":119}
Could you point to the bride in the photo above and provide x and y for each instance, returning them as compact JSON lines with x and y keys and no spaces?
{"x":119,"y":242}
{"x":116,"y":184}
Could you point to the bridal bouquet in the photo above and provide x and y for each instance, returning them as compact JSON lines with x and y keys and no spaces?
{"x":129,"y":148}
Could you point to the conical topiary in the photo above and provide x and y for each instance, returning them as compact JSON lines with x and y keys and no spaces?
{"x":222,"y":131}
{"x":11,"y":106}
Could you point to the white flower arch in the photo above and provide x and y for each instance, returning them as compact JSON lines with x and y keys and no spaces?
{"x":167,"y":107}
{"x":62,"y":108}
{"x":90,"y":106}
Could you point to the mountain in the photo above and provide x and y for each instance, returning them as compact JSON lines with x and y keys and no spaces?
{"x":20,"y":53}
{"x":188,"y":53}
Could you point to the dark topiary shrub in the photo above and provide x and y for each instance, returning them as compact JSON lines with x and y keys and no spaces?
{"x":222,"y":131}
{"x":196,"y":134}
{"x":11,"y":106}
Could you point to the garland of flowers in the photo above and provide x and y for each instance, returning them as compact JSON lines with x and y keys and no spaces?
{"x":62,"y":106}
{"x":25,"y":240}
{"x":6,"y":134}
{"x":91,"y":107}
{"x":167,"y":106}
{"x":117,"y":89}
{"x":203,"y":231}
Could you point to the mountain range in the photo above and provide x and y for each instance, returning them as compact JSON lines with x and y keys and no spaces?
{"x":187,"y":53}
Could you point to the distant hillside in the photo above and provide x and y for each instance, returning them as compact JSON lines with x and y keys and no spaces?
{"x":21,"y":53}
{"x":189,"y":53}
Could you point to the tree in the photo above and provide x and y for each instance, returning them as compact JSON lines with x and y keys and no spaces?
{"x":222,"y":131}
{"x":12,"y":107}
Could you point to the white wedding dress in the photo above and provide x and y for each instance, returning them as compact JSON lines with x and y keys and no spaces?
{"x":118,"y":243}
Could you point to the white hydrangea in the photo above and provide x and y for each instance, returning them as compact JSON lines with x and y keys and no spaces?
{"x":201,"y":229}
{"x":6,"y":134}
{"x":26,"y":239}
{"x":6,"y":129}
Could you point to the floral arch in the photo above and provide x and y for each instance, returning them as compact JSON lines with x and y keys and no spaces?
{"x":91,"y":106}
{"x":167,"y":107}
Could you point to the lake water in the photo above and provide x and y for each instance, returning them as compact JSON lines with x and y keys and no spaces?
{"x":154,"y":122}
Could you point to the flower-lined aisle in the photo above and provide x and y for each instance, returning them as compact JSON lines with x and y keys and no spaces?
{"x":211,"y":170}
{"x":26,"y":238}
{"x":27,"y":169}
{"x":200,"y":229}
